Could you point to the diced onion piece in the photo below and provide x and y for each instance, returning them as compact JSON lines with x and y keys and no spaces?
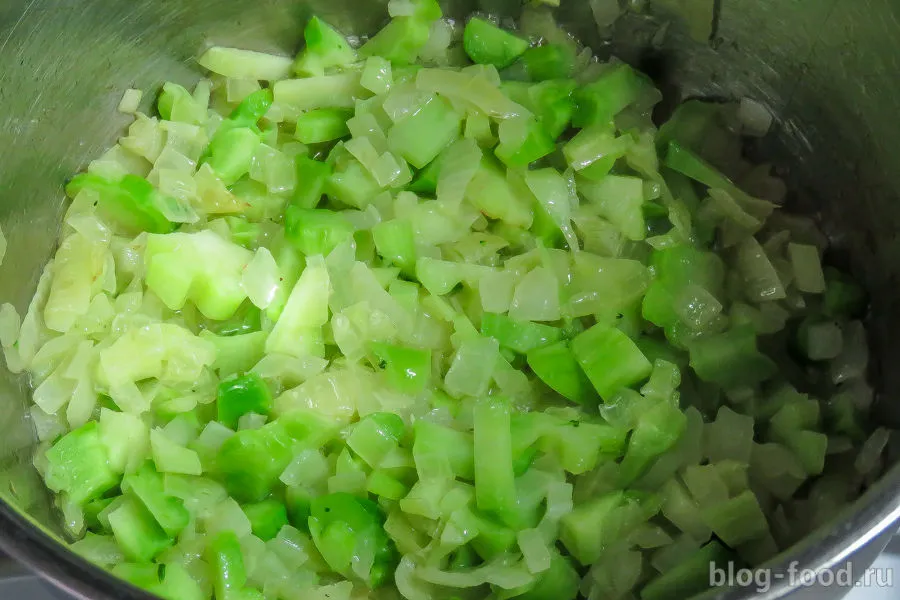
{"x":377,"y":76}
{"x":169,"y":457}
{"x":536,"y":297}
{"x":761,"y":280}
{"x":261,"y":279}
{"x":472,"y":89}
{"x":868,"y":456}
{"x":131,"y":101}
{"x":755,"y":118}
{"x":459,"y":163}
{"x":534,"y":549}
{"x":807,"y":268}
{"x":245,"y":64}
{"x":10,"y":324}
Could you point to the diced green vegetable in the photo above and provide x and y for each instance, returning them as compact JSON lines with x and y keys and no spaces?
{"x":322,"y":125}
{"x":422,"y":135}
{"x":77,"y":466}
{"x":344,"y":526}
{"x":325,"y":48}
{"x":610,"y":359}
{"x":266,"y":518}
{"x":251,"y":461}
{"x":598,"y":102}
{"x":731,"y":359}
{"x":245,"y":394}
{"x":495,"y":488}
{"x":147,"y":486}
{"x":557,"y":366}
{"x":137,"y":532}
{"x":408,"y":369}
{"x":549,"y":61}
{"x":485,"y":43}
{"x":312,"y":176}
{"x":131,"y":203}
{"x":592,"y":528}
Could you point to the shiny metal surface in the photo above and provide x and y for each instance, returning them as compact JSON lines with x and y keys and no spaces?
{"x":827,"y":68}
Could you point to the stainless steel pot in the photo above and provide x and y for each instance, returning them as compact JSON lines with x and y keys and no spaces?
{"x":829,"y":70}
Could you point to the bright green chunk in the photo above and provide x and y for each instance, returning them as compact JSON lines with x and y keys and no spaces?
{"x":579,"y":445}
{"x":610,"y":359}
{"x":495,"y":485}
{"x":395,"y":242}
{"x":241,"y":395}
{"x":147,"y":486}
{"x":251,"y":461}
{"x":231,"y":153}
{"x":325,"y":48}
{"x":143,"y":575}
{"x":178,"y":584}
{"x":422,"y":135}
{"x":131,"y":203}
{"x":487,"y":44}
{"x":322,"y":125}
{"x":493,"y":538}
{"x":251,"y":109}
{"x":342,"y":526}
{"x":557,"y":366}
{"x":731,"y":358}
{"x":266,"y":518}
{"x":520,"y":336}
{"x":227,"y":565}
{"x":383,"y":484}
{"x":559,"y":582}
{"x":523,"y":140}
{"x":138,"y":534}
{"x":549,"y":61}
{"x":426,"y":180}
{"x":373,"y":438}
{"x":408,"y":370}
{"x":598,"y":102}
{"x":401,"y":40}
{"x":77,"y":466}
{"x":658,"y":429}
{"x":315,"y":231}
{"x":312,"y":175}
{"x":552,"y":103}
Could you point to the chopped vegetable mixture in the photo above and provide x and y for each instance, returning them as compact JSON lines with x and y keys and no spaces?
{"x":443,"y":315}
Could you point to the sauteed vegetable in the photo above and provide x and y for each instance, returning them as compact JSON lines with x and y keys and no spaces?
{"x":439,"y":314}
